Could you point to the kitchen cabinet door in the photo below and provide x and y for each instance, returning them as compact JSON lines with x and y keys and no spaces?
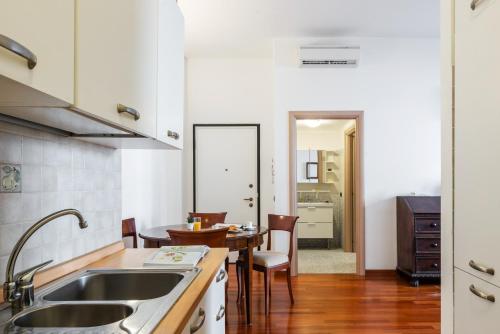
{"x":477,"y":120}
{"x":473,"y":313}
{"x":116,"y":61}
{"x":170,"y":116}
{"x":46,"y":29}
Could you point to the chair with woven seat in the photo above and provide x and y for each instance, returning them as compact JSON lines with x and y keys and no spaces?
{"x":209,"y":219}
{"x":270,"y":261}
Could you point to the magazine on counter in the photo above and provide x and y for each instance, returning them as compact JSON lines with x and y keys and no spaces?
{"x":177,"y":257}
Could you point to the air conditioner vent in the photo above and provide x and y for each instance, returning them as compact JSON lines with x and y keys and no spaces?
{"x":335,"y":56}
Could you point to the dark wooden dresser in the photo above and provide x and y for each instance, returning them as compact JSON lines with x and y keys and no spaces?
{"x":419,"y":237}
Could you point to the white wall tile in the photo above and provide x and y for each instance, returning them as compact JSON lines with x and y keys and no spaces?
{"x":10,"y":207}
{"x":32,"y":151}
{"x":58,"y":173}
{"x":31,"y":178}
{"x":10,"y":148}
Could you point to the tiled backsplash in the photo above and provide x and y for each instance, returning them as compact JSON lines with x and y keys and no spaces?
{"x":58,"y":173}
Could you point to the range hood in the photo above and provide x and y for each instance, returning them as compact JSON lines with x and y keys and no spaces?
{"x":23,"y":106}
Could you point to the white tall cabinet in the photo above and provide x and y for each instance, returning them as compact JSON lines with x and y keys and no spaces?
{"x":476,"y":227}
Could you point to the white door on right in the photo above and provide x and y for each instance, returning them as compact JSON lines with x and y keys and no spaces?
{"x":226,"y":171}
{"x":477,"y":138}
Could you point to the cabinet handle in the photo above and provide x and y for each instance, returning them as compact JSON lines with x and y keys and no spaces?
{"x":474,"y":4}
{"x":173,"y":134}
{"x":131,"y":111}
{"x":220,"y":276}
{"x":201,"y":321}
{"x":481,"y":268}
{"x":481,"y":294}
{"x":434,"y":245}
{"x":434,"y":225}
{"x":221,"y":313}
{"x":19,"y":50}
{"x":435,"y":265}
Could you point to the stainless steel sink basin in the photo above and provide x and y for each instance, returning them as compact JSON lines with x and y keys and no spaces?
{"x":101,"y":301}
{"x":74,"y":315}
{"x":117,"y":286}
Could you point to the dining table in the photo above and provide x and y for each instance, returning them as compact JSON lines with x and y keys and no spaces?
{"x":243,"y":241}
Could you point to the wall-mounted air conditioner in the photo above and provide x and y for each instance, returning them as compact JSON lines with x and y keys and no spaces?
{"x":328,"y":55}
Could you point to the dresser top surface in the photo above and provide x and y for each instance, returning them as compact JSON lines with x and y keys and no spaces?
{"x":423,"y":204}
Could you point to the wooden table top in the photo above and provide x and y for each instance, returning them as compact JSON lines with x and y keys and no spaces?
{"x":159,"y":233}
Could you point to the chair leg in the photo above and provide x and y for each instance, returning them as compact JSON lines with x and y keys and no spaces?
{"x":226,"y":267}
{"x":238,"y":281}
{"x":267,"y":284}
{"x":289,"y":279}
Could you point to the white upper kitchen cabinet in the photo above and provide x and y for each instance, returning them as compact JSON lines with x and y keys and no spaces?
{"x":116,"y":61}
{"x":170,"y":117}
{"x":38,"y":46}
{"x":130,"y":65}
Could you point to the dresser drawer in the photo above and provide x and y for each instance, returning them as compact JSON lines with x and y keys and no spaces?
{"x":474,"y":314}
{"x":428,"y":264}
{"x":428,"y":245}
{"x":316,"y":230}
{"x":427,"y":225}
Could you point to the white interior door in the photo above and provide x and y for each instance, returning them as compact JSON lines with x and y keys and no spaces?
{"x":226,"y":171}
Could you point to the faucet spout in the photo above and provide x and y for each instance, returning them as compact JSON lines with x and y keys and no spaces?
{"x":11,"y":293}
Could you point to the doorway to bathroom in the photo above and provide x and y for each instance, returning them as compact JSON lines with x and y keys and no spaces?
{"x":325,"y":192}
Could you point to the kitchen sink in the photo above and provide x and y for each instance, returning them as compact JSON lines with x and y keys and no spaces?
{"x":117,"y":286}
{"x":74,"y":315}
{"x":101,"y":301}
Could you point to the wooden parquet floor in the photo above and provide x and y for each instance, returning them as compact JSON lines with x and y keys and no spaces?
{"x":381,"y":302}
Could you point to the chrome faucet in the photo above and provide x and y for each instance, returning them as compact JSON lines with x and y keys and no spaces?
{"x":18,"y":290}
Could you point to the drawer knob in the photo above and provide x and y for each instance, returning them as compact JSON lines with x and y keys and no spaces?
{"x":481,"y":268}
{"x":481,"y":294}
{"x":434,"y":225}
{"x":434,"y":245}
{"x":435,"y":265}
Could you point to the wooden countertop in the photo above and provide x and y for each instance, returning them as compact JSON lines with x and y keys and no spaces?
{"x":115,"y":256}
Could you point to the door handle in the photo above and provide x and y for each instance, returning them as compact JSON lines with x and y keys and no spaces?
{"x":481,"y":294}
{"x":248,"y":199}
{"x":19,"y":49}
{"x":481,"y":268}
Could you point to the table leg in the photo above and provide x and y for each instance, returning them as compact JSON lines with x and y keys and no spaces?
{"x":249,"y":282}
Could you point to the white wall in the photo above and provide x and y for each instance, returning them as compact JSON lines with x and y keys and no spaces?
{"x":397,"y":87}
{"x":230,"y":91}
{"x":152,"y":187}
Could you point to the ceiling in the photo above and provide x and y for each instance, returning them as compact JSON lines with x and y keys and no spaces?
{"x":248,"y":27}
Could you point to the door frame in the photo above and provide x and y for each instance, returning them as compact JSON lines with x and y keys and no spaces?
{"x":349,"y":180}
{"x":205,"y":125}
{"x":357,"y":116}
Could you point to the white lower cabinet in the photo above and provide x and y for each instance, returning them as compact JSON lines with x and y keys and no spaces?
{"x":209,"y":316}
{"x":315,"y":230}
{"x":477,"y":305}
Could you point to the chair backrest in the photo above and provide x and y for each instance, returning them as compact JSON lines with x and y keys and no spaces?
{"x":128,"y":230}
{"x":215,"y":238}
{"x":281,"y":223}
{"x":209,"y":219}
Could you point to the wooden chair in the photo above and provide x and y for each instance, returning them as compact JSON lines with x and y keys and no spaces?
{"x":129,"y":230}
{"x":209,"y":219}
{"x":215,"y":238}
{"x":269,"y":261}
